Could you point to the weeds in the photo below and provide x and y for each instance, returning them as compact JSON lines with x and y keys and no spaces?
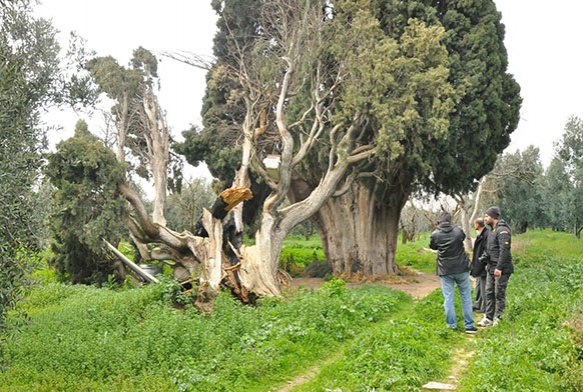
{"x":114,"y":340}
{"x":535,"y":347}
{"x":367,"y":339}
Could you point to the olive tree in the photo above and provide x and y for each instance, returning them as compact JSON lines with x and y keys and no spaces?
{"x":31,"y":79}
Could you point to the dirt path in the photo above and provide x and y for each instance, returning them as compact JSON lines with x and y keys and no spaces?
{"x":418,"y":285}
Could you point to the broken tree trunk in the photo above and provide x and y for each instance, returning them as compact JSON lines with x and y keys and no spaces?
{"x":200,"y":255}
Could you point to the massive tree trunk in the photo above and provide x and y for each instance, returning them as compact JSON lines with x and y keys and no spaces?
{"x":359,"y":233}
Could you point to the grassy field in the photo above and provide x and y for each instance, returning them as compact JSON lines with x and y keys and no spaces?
{"x":372,"y":338}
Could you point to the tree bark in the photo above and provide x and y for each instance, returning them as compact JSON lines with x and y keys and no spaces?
{"x":359,"y":234}
{"x":260,"y":262}
{"x":199,"y":256}
{"x":122,"y":122}
{"x":157,"y":139}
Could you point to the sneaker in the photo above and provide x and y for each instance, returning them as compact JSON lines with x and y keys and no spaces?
{"x":472,"y":330}
{"x":486,"y":322}
{"x":495,"y":322}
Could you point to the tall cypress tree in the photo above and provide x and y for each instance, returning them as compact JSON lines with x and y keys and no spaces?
{"x":420,"y":145}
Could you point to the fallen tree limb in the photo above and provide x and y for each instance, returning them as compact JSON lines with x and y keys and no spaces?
{"x":136,"y":268}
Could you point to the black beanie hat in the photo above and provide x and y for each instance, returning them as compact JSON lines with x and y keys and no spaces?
{"x":493,"y":212}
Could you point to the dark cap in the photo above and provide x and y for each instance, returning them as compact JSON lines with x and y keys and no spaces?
{"x":493,"y":212}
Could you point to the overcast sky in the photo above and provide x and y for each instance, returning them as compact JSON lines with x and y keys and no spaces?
{"x":542,"y":39}
{"x":543,"y":43}
{"x":118,"y":27}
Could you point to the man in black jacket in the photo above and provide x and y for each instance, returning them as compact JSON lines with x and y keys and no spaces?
{"x":499,"y":267}
{"x":478,"y":267}
{"x":453,"y":268}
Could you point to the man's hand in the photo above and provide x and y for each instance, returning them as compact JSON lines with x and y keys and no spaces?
{"x":497,"y":273}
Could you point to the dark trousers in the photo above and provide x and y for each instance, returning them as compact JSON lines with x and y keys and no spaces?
{"x":496,"y":295}
{"x":480,"y":302}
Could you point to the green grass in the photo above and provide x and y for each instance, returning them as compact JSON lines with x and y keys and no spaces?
{"x":538,"y":346}
{"x":82,"y":338}
{"x":300,"y":256}
{"x":416,"y":254}
{"x":399,"y":354}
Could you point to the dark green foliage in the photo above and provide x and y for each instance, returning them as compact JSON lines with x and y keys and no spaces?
{"x":217,"y":149}
{"x":88,"y":207}
{"x":488,"y":109}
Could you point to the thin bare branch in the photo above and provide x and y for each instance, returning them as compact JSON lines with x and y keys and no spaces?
{"x":202,"y":62}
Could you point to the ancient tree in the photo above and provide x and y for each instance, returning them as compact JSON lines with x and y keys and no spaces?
{"x":431,"y":87}
{"x":486,"y":112}
{"x":332,"y":95}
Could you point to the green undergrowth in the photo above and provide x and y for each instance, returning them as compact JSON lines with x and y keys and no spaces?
{"x":538,"y":346}
{"x":302,"y":257}
{"x":84,"y":338}
{"x":399,"y":354}
{"x":416,"y":254}
{"x":372,"y":338}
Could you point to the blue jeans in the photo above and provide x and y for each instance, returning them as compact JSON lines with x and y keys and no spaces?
{"x":448,"y":283}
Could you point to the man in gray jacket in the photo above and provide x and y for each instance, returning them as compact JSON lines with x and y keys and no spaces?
{"x":453,"y":268}
{"x":499,"y":266}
